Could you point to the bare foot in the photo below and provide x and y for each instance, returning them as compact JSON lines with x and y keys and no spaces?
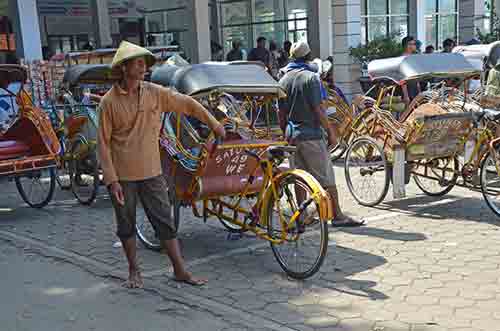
{"x":190,"y":280}
{"x":134,"y":280}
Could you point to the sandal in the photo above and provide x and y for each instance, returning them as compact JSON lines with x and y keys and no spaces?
{"x":347,"y":222}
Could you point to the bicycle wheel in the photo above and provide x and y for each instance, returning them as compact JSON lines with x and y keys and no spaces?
{"x":490,"y":183}
{"x":338,"y":150}
{"x":367,"y":172}
{"x":220,"y":205}
{"x":443,"y":175}
{"x":84,"y":172}
{"x":37,"y":187}
{"x":62,"y":176}
{"x":304,"y":248}
{"x":62,"y":173}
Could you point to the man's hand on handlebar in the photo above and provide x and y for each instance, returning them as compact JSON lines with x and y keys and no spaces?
{"x":219,"y":131}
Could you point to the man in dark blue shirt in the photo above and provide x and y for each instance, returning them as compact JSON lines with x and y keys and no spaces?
{"x":306,"y":116}
{"x":260,"y":53}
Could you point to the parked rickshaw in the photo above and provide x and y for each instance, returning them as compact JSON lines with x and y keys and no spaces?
{"x":482,"y":57}
{"x":430,"y":143}
{"x":399,"y":86}
{"x":105,"y":55}
{"x":28,"y":144}
{"x":241,"y":181}
{"x":77,"y":129}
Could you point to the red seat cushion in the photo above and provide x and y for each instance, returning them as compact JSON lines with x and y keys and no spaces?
{"x":11,"y":149}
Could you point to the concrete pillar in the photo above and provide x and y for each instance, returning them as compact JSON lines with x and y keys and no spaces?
{"x":320,"y":27}
{"x":346,"y":34}
{"x":416,"y":26}
{"x":24,"y":14}
{"x":420,"y":15}
{"x":201,"y":31}
{"x":470,"y":18}
{"x":102,"y":23}
{"x":398,"y":172}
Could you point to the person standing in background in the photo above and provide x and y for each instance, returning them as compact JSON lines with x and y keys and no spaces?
{"x":274,"y":55}
{"x":409,"y":45}
{"x":260,"y":53}
{"x":284,"y":54}
{"x":235,"y":54}
{"x":448,"y":45}
{"x":429,"y":49}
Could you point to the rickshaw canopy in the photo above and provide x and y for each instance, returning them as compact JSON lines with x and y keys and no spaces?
{"x":11,"y":73}
{"x":105,"y":55}
{"x":165,"y":75}
{"x":422,"y":66}
{"x":480,"y":56}
{"x":88,"y":74}
{"x":249,"y":78}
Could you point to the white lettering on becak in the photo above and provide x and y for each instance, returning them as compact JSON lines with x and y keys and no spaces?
{"x":234,"y":160}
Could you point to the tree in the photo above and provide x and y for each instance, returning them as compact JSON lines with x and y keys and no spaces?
{"x":378,"y":48}
{"x":494,"y":33}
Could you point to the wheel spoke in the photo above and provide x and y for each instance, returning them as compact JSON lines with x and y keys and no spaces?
{"x":298,"y":256}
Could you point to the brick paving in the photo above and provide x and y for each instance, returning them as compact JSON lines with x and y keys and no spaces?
{"x":421,"y":263}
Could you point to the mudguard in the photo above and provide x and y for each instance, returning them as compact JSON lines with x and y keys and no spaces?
{"x":320,"y":195}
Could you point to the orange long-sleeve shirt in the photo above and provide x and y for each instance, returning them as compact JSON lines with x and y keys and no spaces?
{"x":129,"y":129}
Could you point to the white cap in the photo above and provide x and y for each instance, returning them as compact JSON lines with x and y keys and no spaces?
{"x":299,"y":50}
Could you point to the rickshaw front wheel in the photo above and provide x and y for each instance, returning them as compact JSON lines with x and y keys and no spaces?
{"x":367,"y":171}
{"x":84,"y":172}
{"x":443,"y":172}
{"x":37,"y":187}
{"x":303,"y":249}
{"x":490,"y":183}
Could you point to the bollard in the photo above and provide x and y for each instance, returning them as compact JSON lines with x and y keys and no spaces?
{"x":398,"y":172}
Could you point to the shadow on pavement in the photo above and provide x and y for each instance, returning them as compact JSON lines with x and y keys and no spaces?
{"x":461,"y":208}
{"x":384,"y":233}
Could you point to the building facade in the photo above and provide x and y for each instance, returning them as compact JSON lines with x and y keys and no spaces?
{"x":204,"y":29}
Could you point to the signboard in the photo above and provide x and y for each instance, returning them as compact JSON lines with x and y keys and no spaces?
{"x":64,"y":8}
{"x":125,"y":9}
{"x":62,"y":25}
{"x":441,"y":135}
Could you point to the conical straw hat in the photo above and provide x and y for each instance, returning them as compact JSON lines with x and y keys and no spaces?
{"x":128,"y":51}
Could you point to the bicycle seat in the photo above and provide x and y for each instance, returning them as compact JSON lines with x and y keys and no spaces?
{"x":275,"y":152}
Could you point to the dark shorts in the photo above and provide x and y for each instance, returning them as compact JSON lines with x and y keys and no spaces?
{"x":153,"y":195}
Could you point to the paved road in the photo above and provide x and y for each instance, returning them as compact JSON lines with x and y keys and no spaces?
{"x":421,"y":264}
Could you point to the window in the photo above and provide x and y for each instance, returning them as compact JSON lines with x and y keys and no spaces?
{"x":276,"y":20}
{"x":7,"y":37}
{"x":165,"y":26}
{"x":441,"y":21}
{"x":382,"y":18}
{"x":297,"y":25}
